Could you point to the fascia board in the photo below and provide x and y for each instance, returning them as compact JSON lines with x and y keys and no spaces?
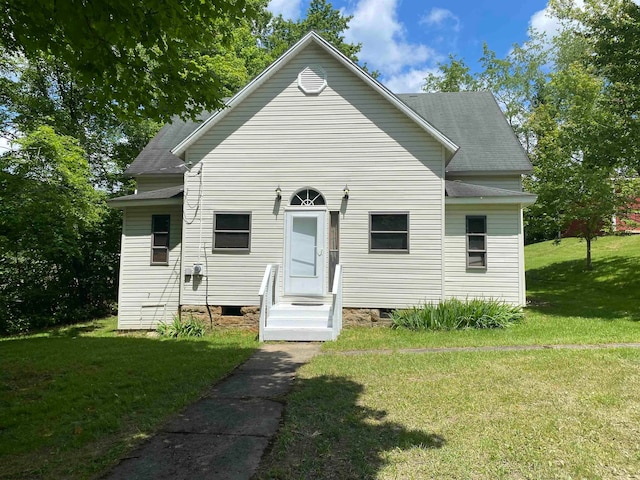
{"x":486,"y":173}
{"x":516,"y":199}
{"x":115,"y":203}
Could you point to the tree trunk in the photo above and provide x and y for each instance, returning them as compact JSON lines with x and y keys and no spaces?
{"x":588,"y":239}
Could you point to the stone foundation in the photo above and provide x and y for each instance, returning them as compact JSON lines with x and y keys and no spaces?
{"x":363,"y":317}
{"x":250,"y":318}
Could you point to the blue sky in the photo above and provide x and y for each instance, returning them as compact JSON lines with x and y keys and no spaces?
{"x":405,"y":39}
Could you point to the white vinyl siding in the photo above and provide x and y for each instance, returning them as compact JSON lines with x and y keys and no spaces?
{"x":512,"y":182}
{"x":149,"y":183}
{"x":148,"y":293}
{"x":501,"y":279}
{"x":346,"y":135}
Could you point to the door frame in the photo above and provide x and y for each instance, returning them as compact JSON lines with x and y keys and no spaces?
{"x":322,"y":239}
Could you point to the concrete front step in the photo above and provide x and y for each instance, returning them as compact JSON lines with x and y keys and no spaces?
{"x":298,"y":334}
{"x":287,"y":315}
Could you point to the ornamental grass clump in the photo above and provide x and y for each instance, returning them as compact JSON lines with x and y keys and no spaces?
{"x":188,"y":327}
{"x":454,"y":314}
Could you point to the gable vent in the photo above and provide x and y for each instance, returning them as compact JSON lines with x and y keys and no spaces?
{"x":312,"y":80}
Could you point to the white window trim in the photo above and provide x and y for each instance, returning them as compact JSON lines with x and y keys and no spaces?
{"x":231,"y":249}
{"x":407,"y":232}
{"x":153,"y":234}
{"x":470,"y":250}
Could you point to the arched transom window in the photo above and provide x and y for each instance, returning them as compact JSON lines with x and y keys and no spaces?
{"x":308,"y":198}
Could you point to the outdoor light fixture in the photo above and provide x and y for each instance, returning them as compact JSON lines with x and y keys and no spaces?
{"x":346,"y":192}
{"x":278,"y":193}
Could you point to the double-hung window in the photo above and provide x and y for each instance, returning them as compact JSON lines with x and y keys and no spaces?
{"x":231,"y":231}
{"x":160,"y":239}
{"x":477,"y":242}
{"x":389,"y":232}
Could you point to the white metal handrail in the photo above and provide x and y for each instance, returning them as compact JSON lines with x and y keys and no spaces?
{"x":336,"y":305}
{"x":268,"y":295}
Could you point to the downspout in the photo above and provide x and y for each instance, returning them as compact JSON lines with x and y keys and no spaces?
{"x":206,"y":285}
{"x":204,"y":249}
{"x":443,"y":225}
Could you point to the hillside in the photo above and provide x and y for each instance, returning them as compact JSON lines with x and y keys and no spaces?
{"x":558,"y":283}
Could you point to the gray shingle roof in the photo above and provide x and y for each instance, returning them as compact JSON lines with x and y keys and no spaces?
{"x":156,"y":158}
{"x":161,"y":194}
{"x":474,"y":121}
{"x":457,"y":189}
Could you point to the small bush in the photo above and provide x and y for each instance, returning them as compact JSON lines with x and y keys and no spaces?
{"x":454,"y":314}
{"x":188,"y":327}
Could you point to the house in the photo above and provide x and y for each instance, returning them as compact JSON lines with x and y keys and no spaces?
{"x":316,"y":193}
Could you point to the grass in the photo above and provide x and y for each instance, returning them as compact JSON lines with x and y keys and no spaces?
{"x":568,"y":304}
{"x":456,"y":314}
{"x":477,"y":415}
{"x":562,"y":414}
{"x":75,"y":399}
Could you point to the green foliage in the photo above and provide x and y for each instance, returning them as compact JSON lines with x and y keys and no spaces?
{"x":48,"y":208}
{"x":179,"y":328}
{"x":45,"y":92}
{"x":76,"y":399}
{"x":514,"y":81}
{"x":144,"y":57}
{"x":454,"y":76}
{"x":455,"y":314}
{"x":610,"y":29}
{"x":574,"y":178}
{"x":320,"y":17}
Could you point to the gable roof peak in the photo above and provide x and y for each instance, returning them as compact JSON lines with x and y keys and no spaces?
{"x":449,"y":146}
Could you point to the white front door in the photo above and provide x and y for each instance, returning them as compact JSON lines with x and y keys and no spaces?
{"x":305,"y":250}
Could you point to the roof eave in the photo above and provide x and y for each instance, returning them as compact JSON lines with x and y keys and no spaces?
{"x":450,"y":147}
{"x":512,"y":200}
{"x":486,"y":173}
{"x":149,"y":202}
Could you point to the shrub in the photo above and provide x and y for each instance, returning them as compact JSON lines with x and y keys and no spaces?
{"x":454,"y":314}
{"x":188,"y":327}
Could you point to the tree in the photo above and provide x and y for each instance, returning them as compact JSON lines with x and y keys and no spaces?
{"x":611,"y":29}
{"x":575,"y":185}
{"x":47,"y":204}
{"x":558,"y":104}
{"x":454,"y":76}
{"x":150,"y":58}
{"x":320,"y":17}
{"x":513,"y":80}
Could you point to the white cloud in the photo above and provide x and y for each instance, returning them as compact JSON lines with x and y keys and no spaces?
{"x":289,"y":9}
{"x":4,"y":145}
{"x":544,"y":21}
{"x":385,"y":48}
{"x":441,"y":18}
{"x":410,"y":81}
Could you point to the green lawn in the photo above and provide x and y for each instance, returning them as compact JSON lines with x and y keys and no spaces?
{"x":567,"y":303}
{"x":466,"y":415}
{"x":73,"y":400}
{"x":543,"y":414}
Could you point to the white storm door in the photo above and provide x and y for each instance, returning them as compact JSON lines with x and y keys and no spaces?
{"x":305,"y":250}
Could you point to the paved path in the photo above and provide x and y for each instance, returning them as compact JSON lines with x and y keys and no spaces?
{"x":494,"y":348}
{"x":223,"y":435}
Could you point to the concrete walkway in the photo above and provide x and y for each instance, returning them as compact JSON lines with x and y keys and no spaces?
{"x":493,"y":348}
{"x":224,"y":434}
